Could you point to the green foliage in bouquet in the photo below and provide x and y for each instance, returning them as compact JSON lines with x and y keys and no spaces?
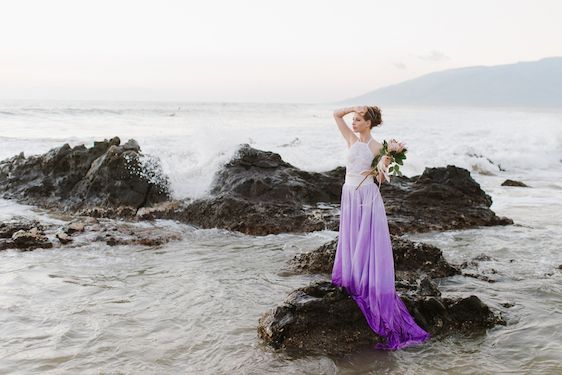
{"x":397,"y":159}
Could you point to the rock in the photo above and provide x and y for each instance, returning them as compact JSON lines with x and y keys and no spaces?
{"x":256,"y":192}
{"x":131,"y":145}
{"x":474,"y":262}
{"x":73,"y":227}
{"x":68,"y":179}
{"x":8,"y":228}
{"x":320,"y":260}
{"x":63,"y":237}
{"x":323,"y":319}
{"x":120,"y":233}
{"x":509,"y":182}
{"x":124,"y":212}
{"x":319,"y":318}
{"x":238,"y":214}
{"x":31,"y":239}
{"x":257,"y":188}
{"x":408,"y":256}
{"x":507,"y":305}
{"x":479,"y":276}
{"x":84,"y":232}
{"x":440,"y":198}
{"x":162,"y":210}
{"x":428,"y":288}
{"x":262,"y":176}
{"x":441,"y":316}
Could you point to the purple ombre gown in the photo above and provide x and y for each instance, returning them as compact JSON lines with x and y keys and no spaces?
{"x":364,"y":265}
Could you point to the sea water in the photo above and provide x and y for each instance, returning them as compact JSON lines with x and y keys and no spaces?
{"x":192,"y":306}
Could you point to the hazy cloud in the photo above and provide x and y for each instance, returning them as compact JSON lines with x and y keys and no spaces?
{"x":434,"y":55}
{"x":399,"y":65}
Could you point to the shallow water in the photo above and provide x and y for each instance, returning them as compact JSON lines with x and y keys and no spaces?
{"x":192,"y":306}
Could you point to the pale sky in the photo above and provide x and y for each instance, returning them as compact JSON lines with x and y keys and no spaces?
{"x":258,"y":51}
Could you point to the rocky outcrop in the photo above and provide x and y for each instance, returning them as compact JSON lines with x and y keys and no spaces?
{"x":238,"y":214}
{"x":105,"y":175}
{"x":259,"y":193}
{"x":408,"y":256}
{"x":441,"y":198}
{"x":323,"y":319}
{"x":24,"y":234}
{"x":256,"y":192}
{"x":262,"y":176}
{"x":509,"y":182}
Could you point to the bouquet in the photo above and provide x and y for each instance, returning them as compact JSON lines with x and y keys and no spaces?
{"x":387,"y":162}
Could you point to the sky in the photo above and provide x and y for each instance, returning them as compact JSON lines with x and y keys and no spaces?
{"x":304,"y":51}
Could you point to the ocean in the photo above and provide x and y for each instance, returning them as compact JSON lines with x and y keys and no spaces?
{"x":192,"y":306}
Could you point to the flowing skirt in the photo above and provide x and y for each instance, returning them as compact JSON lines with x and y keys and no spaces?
{"x":364,"y":267}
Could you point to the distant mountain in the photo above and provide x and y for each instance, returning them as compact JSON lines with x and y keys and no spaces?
{"x":523,"y":84}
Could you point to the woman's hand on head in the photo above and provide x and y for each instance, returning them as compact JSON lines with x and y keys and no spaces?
{"x":361,"y":109}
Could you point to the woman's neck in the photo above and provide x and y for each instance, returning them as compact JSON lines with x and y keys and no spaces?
{"x":365,"y":136}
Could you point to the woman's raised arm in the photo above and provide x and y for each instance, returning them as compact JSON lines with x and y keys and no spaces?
{"x":345,"y":131}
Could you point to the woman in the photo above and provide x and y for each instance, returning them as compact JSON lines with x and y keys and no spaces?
{"x":364,"y":265}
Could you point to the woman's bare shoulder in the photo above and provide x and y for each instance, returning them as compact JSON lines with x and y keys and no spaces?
{"x":375,"y":146}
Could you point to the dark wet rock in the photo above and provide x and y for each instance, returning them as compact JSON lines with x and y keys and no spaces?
{"x":318,"y":318}
{"x":560,"y":267}
{"x":416,"y":284}
{"x":475,"y":262}
{"x":509,"y":182}
{"x":262,"y":176}
{"x":8,"y":228}
{"x":237,"y":214}
{"x":479,"y":277}
{"x":257,"y":188}
{"x":428,"y":288}
{"x":441,"y":198}
{"x":80,"y":232}
{"x":68,"y":179}
{"x":408,"y":256}
{"x":323,"y":319}
{"x":507,"y":305}
{"x":73,"y":227}
{"x":256,"y":192}
{"x":479,"y":271}
{"x":441,"y":316}
{"x":31,"y":239}
{"x":320,"y":260}
{"x":128,"y":234}
{"x":290,"y":326}
{"x":258,"y":218}
{"x":122,"y":212}
{"x":63,"y":237}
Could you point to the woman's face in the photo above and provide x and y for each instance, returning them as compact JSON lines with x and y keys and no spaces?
{"x":359,"y":124}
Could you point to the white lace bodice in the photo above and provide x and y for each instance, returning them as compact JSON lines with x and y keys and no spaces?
{"x":359,"y":159}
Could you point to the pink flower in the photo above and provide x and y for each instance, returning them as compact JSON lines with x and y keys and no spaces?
{"x":395,"y":146}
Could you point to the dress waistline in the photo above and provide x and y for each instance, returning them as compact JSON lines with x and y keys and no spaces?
{"x":355,"y":179}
